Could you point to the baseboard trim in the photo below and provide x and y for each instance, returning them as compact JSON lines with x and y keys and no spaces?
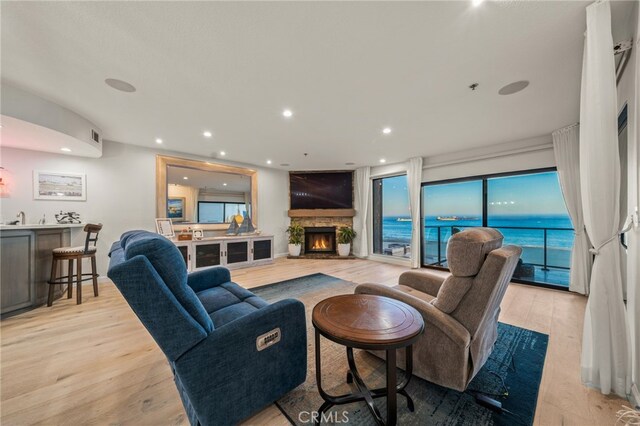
{"x":278,"y":255}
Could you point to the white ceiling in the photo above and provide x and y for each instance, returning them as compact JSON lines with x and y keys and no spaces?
{"x":346,"y":70}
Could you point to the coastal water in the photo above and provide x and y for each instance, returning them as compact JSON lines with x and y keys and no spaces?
{"x":400,"y":231}
{"x":527,"y":232}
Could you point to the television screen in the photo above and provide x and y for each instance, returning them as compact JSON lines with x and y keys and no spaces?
{"x":322,"y":190}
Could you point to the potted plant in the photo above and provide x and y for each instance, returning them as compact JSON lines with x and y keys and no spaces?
{"x":346,"y":235}
{"x":296,"y":234}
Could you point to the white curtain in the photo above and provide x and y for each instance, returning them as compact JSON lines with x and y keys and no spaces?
{"x":566,"y":149}
{"x":362,"y":191}
{"x":633,"y":237}
{"x":414,"y":181}
{"x":605,"y":347}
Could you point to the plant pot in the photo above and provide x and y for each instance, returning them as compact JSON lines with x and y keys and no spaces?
{"x":294,"y":249}
{"x":344,"y":249}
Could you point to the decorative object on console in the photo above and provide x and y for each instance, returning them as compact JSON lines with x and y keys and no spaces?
{"x":59,"y":186}
{"x":175,"y":208}
{"x":185,"y":235}
{"x":68,"y":217}
{"x":247,"y":226}
{"x":198,"y":234}
{"x":296,"y":234}
{"x":164,"y":227}
{"x":233,"y":228}
{"x":346,"y":235}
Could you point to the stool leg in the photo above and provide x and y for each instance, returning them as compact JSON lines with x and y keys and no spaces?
{"x":70,"y":280}
{"x":79,"y":284}
{"x":94,"y":275}
{"x":54,"y":269}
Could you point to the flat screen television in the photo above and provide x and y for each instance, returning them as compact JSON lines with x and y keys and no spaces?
{"x":321,"y":190}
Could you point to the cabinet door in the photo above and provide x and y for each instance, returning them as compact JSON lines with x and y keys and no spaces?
{"x":237,"y":252}
{"x":17,"y":271}
{"x":262,"y":250}
{"x":184,"y":251}
{"x":207,"y":254}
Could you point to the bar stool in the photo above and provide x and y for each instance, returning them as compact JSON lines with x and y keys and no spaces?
{"x":76,"y":254}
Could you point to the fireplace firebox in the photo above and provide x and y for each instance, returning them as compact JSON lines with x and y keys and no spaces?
{"x":320,"y":239}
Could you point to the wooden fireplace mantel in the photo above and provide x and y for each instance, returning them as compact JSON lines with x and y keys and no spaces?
{"x":322,"y":213}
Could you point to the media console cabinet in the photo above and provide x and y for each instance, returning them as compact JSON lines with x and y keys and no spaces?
{"x":232,"y":252}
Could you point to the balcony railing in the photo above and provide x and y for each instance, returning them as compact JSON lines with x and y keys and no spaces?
{"x":546,"y":252}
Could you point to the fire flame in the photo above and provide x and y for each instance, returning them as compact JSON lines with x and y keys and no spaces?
{"x":320,"y":244}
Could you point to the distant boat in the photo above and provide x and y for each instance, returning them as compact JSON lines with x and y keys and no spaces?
{"x":404,"y":219}
{"x":454,"y":218}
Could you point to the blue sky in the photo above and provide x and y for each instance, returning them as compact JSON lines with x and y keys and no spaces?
{"x":535,"y":194}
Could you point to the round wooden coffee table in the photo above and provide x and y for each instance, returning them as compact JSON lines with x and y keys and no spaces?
{"x":364,"y":321}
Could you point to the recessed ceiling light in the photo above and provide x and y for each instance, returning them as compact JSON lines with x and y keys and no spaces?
{"x":65,"y":149}
{"x":477,"y":3}
{"x":222,"y":153}
{"x":158,"y":140}
{"x":268,"y":161}
{"x":287,"y":113}
{"x":512,"y":88}
{"x":206,"y":134}
{"x":185,"y":178}
{"x":386,"y":130}
{"x":382,"y":160}
{"x":120,"y":85}
{"x":224,"y":184}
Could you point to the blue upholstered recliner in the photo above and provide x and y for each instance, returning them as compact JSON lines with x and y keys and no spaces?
{"x":207,"y":327}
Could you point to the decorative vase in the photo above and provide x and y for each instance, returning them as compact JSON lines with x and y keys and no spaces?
{"x":344,"y":249}
{"x":294,"y":249}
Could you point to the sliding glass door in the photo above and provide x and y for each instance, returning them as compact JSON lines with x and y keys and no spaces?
{"x":447,"y":208}
{"x":391,"y":217}
{"x":528,"y":208}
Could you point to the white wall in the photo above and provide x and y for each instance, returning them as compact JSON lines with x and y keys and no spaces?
{"x":121,"y":192}
{"x":627,"y":94}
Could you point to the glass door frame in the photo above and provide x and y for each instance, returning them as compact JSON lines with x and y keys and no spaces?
{"x":485,"y":196}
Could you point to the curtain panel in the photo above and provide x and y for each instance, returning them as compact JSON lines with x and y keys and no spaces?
{"x":566,"y":149}
{"x":414,"y":182}
{"x":605,"y":362}
{"x":362,"y":190}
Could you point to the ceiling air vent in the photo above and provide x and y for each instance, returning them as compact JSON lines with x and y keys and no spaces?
{"x":95,"y":136}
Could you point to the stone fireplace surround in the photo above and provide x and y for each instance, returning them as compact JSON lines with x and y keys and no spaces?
{"x":322,"y":222}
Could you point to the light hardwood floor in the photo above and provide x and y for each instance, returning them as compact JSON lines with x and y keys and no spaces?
{"x":96,"y":364}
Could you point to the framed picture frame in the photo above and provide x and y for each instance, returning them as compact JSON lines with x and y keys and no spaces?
{"x":164,"y":227}
{"x":60,"y":186}
{"x":176,"y":207}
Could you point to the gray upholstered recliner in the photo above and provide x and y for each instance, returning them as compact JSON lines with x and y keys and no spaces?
{"x":460,"y":311}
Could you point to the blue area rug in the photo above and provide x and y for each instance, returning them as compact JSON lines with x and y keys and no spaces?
{"x":511,"y":375}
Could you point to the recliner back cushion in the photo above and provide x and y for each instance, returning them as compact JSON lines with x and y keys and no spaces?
{"x":451,"y":292}
{"x":166,"y":259}
{"x":467,"y":250}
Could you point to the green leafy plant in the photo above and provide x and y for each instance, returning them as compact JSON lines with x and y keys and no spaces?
{"x":346,"y":235}
{"x":296,"y":234}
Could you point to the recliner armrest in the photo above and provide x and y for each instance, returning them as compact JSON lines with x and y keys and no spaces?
{"x":430,"y":314}
{"x":208,"y":278}
{"x":422,"y":281}
{"x":227,"y":368}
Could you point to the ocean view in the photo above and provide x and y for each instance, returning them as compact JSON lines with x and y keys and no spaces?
{"x":526,"y":231}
